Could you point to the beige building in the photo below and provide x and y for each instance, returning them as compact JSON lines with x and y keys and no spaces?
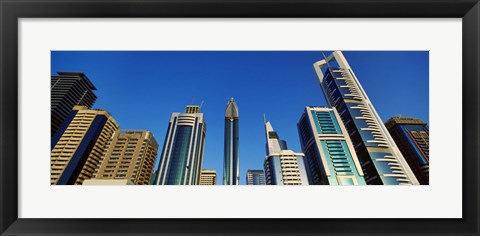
{"x":129,"y":155}
{"x":79,"y":146}
{"x":208,"y":177}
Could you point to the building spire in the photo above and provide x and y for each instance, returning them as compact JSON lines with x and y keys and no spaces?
{"x":232,"y":110}
{"x":273,"y":141}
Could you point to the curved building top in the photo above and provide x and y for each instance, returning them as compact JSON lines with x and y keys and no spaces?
{"x":232,"y":110}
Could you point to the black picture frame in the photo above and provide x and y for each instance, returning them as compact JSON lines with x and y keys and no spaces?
{"x":12,"y":10}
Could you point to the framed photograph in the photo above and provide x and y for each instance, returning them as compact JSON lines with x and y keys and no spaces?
{"x":250,"y":118}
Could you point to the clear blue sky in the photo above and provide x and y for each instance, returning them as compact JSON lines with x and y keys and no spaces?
{"x":141,"y":89}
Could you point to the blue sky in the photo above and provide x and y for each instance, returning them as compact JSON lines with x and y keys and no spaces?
{"x":142,"y":88}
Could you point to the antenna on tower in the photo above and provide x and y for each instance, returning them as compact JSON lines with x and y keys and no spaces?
{"x":264,"y":118}
{"x":201,"y":104}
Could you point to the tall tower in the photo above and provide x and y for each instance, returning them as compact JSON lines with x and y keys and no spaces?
{"x":331,"y":158}
{"x":130,"y":155}
{"x":79,"y":144}
{"x":182,"y":155}
{"x":231,"y":154}
{"x":68,"y":89}
{"x":255,"y":177}
{"x":381,"y":160}
{"x":412,"y":138}
{"x":282,"y":166}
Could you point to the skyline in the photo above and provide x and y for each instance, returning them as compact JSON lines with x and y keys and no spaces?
{"x":273,"y":93}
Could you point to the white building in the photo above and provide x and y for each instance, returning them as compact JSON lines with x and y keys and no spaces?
{"x":282,"y":166}
{"x":381,"y":160}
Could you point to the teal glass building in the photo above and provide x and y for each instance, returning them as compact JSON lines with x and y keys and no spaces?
{"x":329,"y":153}
{"x":231,"y":161}
{"x":381,"y":160}
{"x":182,"y":155}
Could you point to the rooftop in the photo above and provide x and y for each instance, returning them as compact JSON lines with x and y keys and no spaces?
{"x":404,"y":120}
{"x":78,"y":74}
{"x":232,"y":109}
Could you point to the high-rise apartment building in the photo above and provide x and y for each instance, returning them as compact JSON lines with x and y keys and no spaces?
{"x":79,"y":144}
{"x":412,"y":138}
{"x":68,"y":89}
{"x":282,"y":166}
{"x":381,"y":160}
{"x":255,"y":177}
{"x":330,"y":155}
{"x":129,"y":155}
{"x":231,"y":163}
{"x":182,"y":155}
{"x":208,"y":177}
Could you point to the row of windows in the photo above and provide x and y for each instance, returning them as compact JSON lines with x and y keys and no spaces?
{"x":338,"y":157}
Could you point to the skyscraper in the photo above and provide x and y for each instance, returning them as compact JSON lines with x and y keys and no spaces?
{"x":381,"y":160}
{"x":68,"y":89}
{"x":331,"y":158}
{"x":231,"y":154}
{"x":154,"y":177}
{"x":130,"y":155}
{"x":282,"y":166}
{"x":208,"y":177}
{"x":412,"y":138}
{"x":79,"y":144}
{"x":182,"y":155}
{"x":255,"y":177}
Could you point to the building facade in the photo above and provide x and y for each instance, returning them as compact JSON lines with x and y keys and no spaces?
{"x":79,"y":144}
{"x":231,"y":165}
{"x":154,"y":177}
{"x":255,"y":177}
{"x":130,"y":155}
{"x":381,"y":160}
{"x":282,"y":166}
{"x":68,"y":89}
{"x":208,"y":177}
{"x":412,"y":138}
{"x":182,"y":155}
{"x":108,"y":182}
{"x":329,"y":152}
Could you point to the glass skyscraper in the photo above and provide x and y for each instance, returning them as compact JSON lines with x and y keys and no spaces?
{"x":182,"y":155}
{"x":282,"y":166}
{"x":331,"y":158}
{"x":231,"y":163}
{"x":412,"y":138}
{"x":381,"y":160}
